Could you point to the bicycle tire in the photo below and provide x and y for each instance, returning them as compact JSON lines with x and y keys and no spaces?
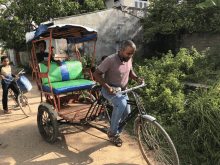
{"x":24,"y":105}
{"x":155,"y":144}
{"x":12,"y":96}
{"x":47,"y":124}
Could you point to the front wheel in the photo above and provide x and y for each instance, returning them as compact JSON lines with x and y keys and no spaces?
{"x":155,"y":144}
{"x":23,"y":103}
{"x":47,"y":124}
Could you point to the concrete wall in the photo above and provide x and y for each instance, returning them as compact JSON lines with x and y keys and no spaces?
{"x":12,"y":56}
{"x":200,"y":42}
{"x":128,"y":2}
{"x":24,"y":58}
{"x":109,"y":3}
{"x":112,"y":25}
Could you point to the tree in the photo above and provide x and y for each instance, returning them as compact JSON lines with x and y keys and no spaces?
{"x":166,"y":17}
{"x":209,"y":3}
{"x":15,"y":15}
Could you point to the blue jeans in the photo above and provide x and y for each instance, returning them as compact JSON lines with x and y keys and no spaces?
{"x":121,"y":110}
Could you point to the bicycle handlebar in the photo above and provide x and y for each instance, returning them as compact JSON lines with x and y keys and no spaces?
{"x":21,"y":72}
{"x":131,"y":89}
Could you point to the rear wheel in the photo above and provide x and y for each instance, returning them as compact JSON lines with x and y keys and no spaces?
{"x":23,"y":103}
{"x":47,"y":124}
{"x":155,"y":144}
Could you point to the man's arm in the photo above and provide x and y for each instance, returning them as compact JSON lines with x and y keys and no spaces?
{"x":133,"y":76}
{"x":57,"y":61}
{"x":98,"y":77}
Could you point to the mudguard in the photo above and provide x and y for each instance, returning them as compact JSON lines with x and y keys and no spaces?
{"x":150,"y":118}
{"x":50,"y":107}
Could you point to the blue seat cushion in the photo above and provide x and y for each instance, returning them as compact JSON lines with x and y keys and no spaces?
{"x":68,"y":86}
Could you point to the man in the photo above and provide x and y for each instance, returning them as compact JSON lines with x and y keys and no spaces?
{"x":42,"y":56}
{"x":117,"y":69}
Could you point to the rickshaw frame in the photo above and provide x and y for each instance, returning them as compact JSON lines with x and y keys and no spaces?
{"x":37,"y":76}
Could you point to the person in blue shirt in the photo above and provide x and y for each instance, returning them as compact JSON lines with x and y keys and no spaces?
{"x":5,"y":72}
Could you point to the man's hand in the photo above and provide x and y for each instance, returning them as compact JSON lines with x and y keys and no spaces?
{"x":2,"y":77}
{"x":45,"y":63}
{"x":139,"y":80}
{"x":59,"y":63}
{"x":111,"y":90}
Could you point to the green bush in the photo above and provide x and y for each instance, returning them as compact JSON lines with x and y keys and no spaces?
{"x":191,"y":118}
{"x":87,"y":61}
{"x":197,"y":128}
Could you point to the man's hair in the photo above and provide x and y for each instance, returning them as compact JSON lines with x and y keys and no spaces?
{"x":42,"y":41}
{"x":52,"y":47}
{"x":127,"y":43}
{"x":103,"y":57}
{"x":3,"y":58}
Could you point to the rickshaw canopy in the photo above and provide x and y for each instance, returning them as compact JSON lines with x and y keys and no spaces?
{"x":73,"y":32}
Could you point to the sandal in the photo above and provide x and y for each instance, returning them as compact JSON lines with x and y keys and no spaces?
{"x":114,"y":138}
{"x":7,"y":111}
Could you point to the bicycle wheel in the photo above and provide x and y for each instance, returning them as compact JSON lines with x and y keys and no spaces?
{"x":23,"y":103}
{"x":12,"y":96}
{"x":155,"y":144}
{"x":47,"y":124}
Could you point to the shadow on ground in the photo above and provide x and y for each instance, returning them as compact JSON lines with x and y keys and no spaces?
{"x":29,"y":148}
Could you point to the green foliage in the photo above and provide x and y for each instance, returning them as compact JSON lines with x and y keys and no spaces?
{"x":16,"y":15}
{"x":87,"y":61}
{"x":191,"y":117}
{"x":206,"y":67}
{"x":166,"y":17}
{"x":198,"y":128}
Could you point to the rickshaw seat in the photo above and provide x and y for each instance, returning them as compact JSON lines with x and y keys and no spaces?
{"x":66,"y":78}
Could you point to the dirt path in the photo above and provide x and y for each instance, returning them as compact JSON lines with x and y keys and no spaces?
{"x":22,"y":143}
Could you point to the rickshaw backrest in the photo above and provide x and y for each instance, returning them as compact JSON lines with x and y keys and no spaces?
{"x":70,"y":70}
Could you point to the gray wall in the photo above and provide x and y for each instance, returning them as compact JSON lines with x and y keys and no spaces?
{"x":112,"y":25}
{"x":200,"y":41}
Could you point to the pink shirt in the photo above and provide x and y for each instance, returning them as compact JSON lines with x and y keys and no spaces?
{"x":116,"y":72}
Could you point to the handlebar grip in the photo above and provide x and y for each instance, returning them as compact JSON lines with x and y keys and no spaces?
{"x":130,"y":89}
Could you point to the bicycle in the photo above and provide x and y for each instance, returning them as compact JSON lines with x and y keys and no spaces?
{"x":154,"y":142}
{"x":22,"y":100}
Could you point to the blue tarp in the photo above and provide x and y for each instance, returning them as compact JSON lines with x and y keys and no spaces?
{"x":42,"y":29}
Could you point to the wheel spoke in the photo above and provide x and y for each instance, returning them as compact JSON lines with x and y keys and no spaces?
{"x":154,"y":144}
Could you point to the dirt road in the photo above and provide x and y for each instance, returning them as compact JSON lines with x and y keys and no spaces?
{"x":21,"y":142}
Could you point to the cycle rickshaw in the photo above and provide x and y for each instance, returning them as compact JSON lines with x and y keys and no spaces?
{"x":65,"y":100}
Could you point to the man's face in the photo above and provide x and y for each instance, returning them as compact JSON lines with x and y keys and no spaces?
{"x":41,"y":47}
{"x":5,"y":62}
{"x":127,"y":53}
{"x":53,"y":52}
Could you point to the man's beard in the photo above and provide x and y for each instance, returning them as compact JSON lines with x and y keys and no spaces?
{"x":125,"y":59}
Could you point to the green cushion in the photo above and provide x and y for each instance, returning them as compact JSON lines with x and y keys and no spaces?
{"x":69,"y":83}
{"x":75,"y":70}
{"x":54,"y":72}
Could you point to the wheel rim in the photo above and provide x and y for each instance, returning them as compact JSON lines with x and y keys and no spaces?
{"x":23,"y":102}
{"x":47,"y":125}
{"x":154,"y":145}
